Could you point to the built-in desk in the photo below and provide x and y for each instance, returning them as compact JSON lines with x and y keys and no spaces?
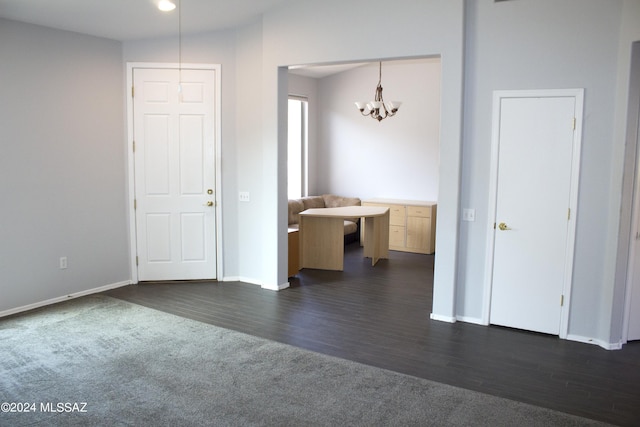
{"x":322,"y":235}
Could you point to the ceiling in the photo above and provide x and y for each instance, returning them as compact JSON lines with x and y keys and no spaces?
{"x":320,"y":71}
{"x":126,"y":20}
{"x":135,"y":19}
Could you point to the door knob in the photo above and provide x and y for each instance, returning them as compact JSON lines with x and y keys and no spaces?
{"x":209,"y":203}
{"x":210,"y":191}
{"x":502,"y":226}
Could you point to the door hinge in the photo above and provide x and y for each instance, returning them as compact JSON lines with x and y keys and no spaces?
{"x":568,"y":214}
{"x":135,"y":204}
{"x":136,"y":259}
{"x":132,"y":91}
{"x":561,"y":300}
{"x":134,"y":146}
{"x":574,"y":123}
{"x":494,"y":225}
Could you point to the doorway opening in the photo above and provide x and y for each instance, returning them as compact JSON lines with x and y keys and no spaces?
{"x":354,"y":156}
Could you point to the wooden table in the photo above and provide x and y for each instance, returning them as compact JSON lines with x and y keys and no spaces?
{"x":322,"y":235}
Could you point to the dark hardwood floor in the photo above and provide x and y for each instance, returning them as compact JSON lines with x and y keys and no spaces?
{"x":380,"y":316}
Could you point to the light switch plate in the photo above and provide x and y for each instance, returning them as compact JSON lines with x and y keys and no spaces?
{"x":468,"y":214}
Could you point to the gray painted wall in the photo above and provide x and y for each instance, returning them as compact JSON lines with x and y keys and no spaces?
{"x":62,"y":167}
{"x":507,"y":48}
{"x":356,"y":156}
{"x":210,"y":48}
{"x":395,"y":158}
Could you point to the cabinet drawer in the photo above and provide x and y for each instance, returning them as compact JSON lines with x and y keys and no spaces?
{"x":396,"y":215}
{"x":396,"y":212}
{"x":421,"y":211}
{"x":396,"y":236}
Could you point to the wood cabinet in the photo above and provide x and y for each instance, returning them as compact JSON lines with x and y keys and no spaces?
{"x":412,"y":224}
{"x":294,"y":252}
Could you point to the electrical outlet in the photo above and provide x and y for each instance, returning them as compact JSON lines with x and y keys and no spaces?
{"x":468,"y":214}
{"x":63,"y":262}
{"x":244,"y":196}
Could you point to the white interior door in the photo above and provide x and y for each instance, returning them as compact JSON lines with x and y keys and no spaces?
{"x":534,"y":173}
{"x":174,"y":164}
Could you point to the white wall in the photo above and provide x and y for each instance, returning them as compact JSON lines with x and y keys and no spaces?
{"x":395,"y":158}
{"x":62,"y":167}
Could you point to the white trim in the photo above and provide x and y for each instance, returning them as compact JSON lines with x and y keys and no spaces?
{"x":633,"y":248}
{"x":498,"y":95}
{"x":64,"y":298}
{"x":441,"y":318}
{"x":249,"y":280}
{"x":276,"y":288}
{"x":256,"y":282}
{"x":218,"y":147}
{"x":476,"y":320}
{"x":632,"y":139}
{"x":595,"y":341}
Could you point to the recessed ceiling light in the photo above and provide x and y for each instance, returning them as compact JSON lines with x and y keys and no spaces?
{"x":166,"y":5}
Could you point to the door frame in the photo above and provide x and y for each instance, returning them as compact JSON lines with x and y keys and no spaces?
{"x":498,"y":96}
{"x":633,"y":145}
{"x":133,"y":243}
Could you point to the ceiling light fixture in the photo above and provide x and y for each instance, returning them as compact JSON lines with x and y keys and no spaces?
{"x":378,"y":109}
{"x":166,"y":5}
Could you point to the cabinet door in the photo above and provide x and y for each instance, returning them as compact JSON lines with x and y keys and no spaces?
{"x":418,"y":234}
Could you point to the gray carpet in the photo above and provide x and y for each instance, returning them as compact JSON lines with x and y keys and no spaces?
{"x":137,"y":366}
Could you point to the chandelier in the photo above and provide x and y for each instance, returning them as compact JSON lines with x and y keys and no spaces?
{"x":378,"y":109}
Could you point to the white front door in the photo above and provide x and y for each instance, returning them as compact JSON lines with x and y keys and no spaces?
{"x":174,"y":164}
{"x":534,"y":175}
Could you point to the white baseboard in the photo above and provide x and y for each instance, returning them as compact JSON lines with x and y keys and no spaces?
{"x":256,"y":282}
{"x":63,"y":298}
{"x":250,"y":280}
{"x":595,"y":341}
{"x":276,"y":288}
{"x":440,"y":318}
{"x":475,"y":320}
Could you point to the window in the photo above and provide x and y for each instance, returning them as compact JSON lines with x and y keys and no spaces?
{"x":297,"y":148}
